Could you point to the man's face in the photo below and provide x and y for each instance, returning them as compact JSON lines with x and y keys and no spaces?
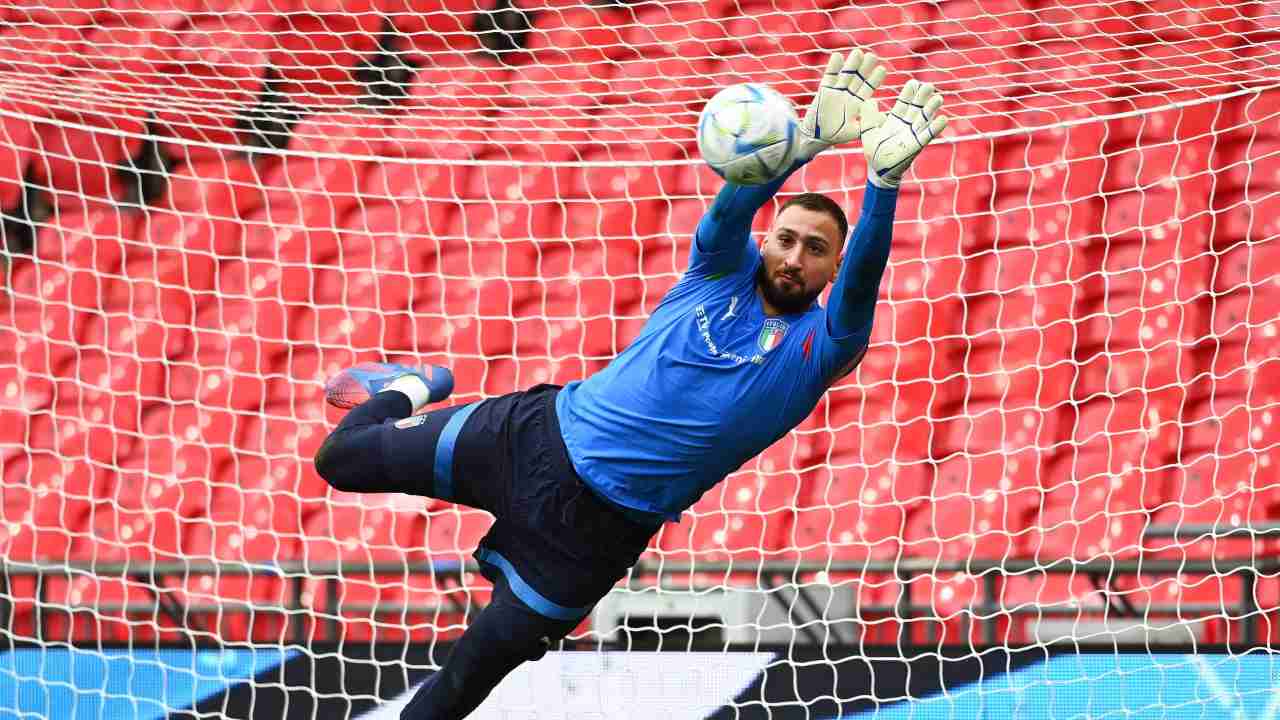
{"x":801,"y":255}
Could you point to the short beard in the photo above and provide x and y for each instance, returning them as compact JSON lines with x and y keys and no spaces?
{"x":785,"y":304}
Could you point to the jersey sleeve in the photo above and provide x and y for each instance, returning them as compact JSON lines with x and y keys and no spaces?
{"x":724,"y":233}
{"x":851,"y":307}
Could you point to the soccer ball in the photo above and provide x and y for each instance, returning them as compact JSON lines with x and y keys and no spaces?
{"x":747,"y":134}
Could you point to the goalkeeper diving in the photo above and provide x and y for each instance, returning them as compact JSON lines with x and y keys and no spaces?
{"x":580,"y":477}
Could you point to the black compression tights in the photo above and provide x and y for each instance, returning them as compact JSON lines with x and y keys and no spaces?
{"x":352,"y":457}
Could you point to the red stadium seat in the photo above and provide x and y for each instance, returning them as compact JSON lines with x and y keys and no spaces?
{"x":736,"y":520}
{"x":1250,"y":163}
{"x":39,"y":49}
{"x":1043,"y":220}
{"x":19,"y":143}
{"x":984,"y":76}
{"x":133,"y":48}
{"x":433,"y":26}
{"x":79,"y":159}
{"x":1156,"y":124}
{"x":453,"y":532}
{"x":1245,"y":267}
{"x":992,"y":426}
{"x":218,"y":188}
{"x":49,"y":284}
{"x":1079,"y":19}
{"x":1221,"y":528}
{"x":97,"y":238}
{"x":360,"y":534}
{"x":1248,"y":217}
{"x":1127,"y":321}
{"x":436,"y":133}
{"x":689,"y":30}
{"x":464,"y":91}
{"x":45,"y":502}
{"x":21,"y":391}
{"x":1060,"y":163}
{"x":316,"y":53}
{"x":981,"y":505}
{"x":1085,"y":530}
{"x":64,"y":12}
{"x":635,"y":180}
{"x":532,"y":181}
{"x":756,"y":61}
{"x":188,"y":441}
{"x":57,"y":323}
{"x":248,"y":526}
{"x":1163,"y":370}
{"x":216,"y":72}
{"x":274,"y":432}
{"x":1002,"y":24}
{"x":488,"y":239}
{"x":557,"y":86}
{"x":420,"y":193}
{"x":118,"y":534}
{"x":854,"y":512}
{"x":506,"y":375}
{"x":660,"y":79}
{"x":1230,"y":425}
{"x":1167,"y":67}
{"x":1138,"y":427}
{"x":1077,"y":65}
{"x":139,"y":487}
{"x":1152,"y":163}
{"x":107,"y":389}
{"x":578,"y":35}
{"x":316,"y":191}
{"x":1021,"y":368}
{"x":223,"y":328}
{"x":350,"y":131}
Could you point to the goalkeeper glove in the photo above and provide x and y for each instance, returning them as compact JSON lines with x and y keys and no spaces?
{"x":891,"y":143}
{"x":833,"y":118}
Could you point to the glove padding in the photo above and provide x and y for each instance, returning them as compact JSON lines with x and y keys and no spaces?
{"x":892,"y":142}
{"x":834,"y":116}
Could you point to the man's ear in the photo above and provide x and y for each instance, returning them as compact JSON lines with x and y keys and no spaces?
{"x":836,"y":270}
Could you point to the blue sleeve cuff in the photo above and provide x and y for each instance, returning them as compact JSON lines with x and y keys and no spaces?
{"x":878,"y":201}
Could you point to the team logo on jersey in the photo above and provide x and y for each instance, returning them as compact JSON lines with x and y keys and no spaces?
{"x":411,"y":421}
{"x":771,"y":334}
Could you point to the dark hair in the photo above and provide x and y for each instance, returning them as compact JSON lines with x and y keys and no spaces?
{"x":818,"y":202}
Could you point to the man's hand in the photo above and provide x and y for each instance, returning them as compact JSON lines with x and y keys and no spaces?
{"x":833,"y":118}
{"x":891,"y":143}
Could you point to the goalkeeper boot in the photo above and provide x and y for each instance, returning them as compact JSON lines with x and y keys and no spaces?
{"x":360,"y":382}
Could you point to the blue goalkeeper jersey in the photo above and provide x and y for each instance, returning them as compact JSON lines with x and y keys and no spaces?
{"x":711,"y":380}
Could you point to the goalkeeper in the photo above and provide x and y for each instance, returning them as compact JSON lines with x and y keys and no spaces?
{"x":580,"y":477}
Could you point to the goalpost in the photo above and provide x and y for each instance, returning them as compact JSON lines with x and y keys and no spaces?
{"x":1062,"y":444}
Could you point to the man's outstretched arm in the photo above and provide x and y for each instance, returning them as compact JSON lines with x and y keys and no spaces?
{"x":725,"y":229}
{"x":832,"y":118}
{"x":853,"y":296}
{"x":890,"y":146}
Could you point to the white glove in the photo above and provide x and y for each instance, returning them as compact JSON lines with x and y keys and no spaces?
{"x":891,"y":143}
{"x":833,"y":118}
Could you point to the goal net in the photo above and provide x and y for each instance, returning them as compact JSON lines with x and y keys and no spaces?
{"x":1062,"y":444}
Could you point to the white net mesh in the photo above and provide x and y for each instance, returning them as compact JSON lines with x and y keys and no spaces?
{"x":209,"y":208}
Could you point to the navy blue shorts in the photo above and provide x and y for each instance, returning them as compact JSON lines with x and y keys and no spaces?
{"x":558,"y":545}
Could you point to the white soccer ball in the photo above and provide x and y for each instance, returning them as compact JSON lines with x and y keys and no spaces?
{"x":747,"y":133}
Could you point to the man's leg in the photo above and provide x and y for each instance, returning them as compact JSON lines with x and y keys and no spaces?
{"x":351,"y":458}
{"x":503,"y":635}
{"x":354,"y":457}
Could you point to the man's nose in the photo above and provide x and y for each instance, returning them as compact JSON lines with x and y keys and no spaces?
{"x":794,"y":257}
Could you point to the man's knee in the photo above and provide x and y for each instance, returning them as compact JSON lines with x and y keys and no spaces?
{"x":335,"y":462}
